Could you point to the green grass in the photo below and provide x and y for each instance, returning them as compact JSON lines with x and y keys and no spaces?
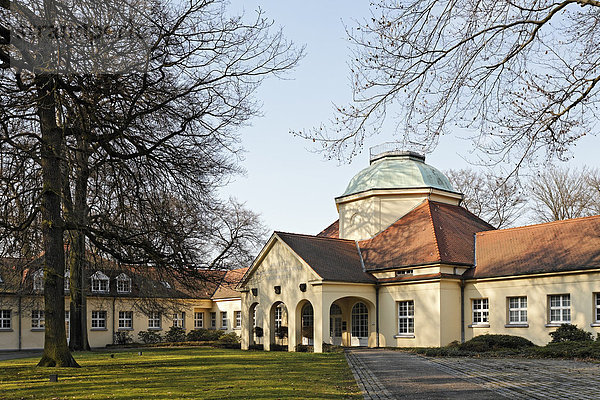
{"x":184,"y":373}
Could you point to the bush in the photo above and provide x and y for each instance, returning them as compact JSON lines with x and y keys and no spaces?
{"x":493,"y":342}
{"x":123,"y":337}
{"x":175,"y":334}
{"x":229,"y":341}
{"x":149,"y":337}
{"x":204,"y":335}
{"x":258,"y":331}
{"x":570,"y":333}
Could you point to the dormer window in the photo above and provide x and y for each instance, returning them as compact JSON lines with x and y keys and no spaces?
{"x":38,"y":280}
{"x":404,"y":272}
{"x":123,"y":284}
{"x":166,"y":284}
{"x":1,"y":281}
{"x":100,"y":283}
{"x":67,"y":279}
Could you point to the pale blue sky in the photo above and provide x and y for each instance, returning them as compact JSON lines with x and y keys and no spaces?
{"x":292,"y":188}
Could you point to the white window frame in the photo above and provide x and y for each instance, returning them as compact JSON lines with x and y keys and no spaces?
{"x":198,"y":320}
{"x":480,"y":311}
{"x":125,"y":320}
{"x":404,"y":272}
{"x":38,"y":280}
{"x":517,"y":310}
{"x":597,"y":308}
{"x":238,"y":319}
{"x":5,"y":319}
{"x":98,"y":320}
{"x":224,"y":321}
{"x":213,"y":320}
{"x":38,"y":319}
{"x":406,"y":317}
{"x":154,"y":320}
{"x":560,"y":303}
{"x":278,"y":317}
{"x":123,"y":284}
{"x":100,"y":282}
{"x":179,"y":320}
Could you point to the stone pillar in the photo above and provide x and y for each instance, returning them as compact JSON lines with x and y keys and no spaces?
{"x":267,"y":325}
{"x":320,"y":323}
{"x":246,"y":326}
{"x":293,"y":326}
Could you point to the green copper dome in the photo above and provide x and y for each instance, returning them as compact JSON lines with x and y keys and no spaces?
{"x":398,"y":170}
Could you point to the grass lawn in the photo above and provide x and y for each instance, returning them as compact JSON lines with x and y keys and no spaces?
{"x":184,"y":373}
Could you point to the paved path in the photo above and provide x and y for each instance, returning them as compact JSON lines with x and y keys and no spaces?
{"x":10,"y":355}
{"x":387,"y":374}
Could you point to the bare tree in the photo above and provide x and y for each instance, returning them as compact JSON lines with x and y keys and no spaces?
{"x":521,"y":74}
{"x":161,"y":108}
{"x":497,"y":200}
{"x":563,"y":193}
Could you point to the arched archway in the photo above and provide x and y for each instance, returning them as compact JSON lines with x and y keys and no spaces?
{"x":352,"y":322}
{"x":279,"y":324}
{"x":253,"y":333}
{"x":307,"y":317}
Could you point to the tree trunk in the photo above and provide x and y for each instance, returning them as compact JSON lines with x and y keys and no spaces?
{"x":56,"y":353}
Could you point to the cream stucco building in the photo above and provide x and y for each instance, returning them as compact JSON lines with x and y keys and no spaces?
{"x":405,"y":265}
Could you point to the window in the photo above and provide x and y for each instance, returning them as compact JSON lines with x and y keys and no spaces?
{"x":278,"y":317}
{"x":98,"y":319}
{"x":154,"y":320}
{"x":5,"y":319}
{"x":100,"y":282}
{"x":360,"y":320}
{"x":179,"y":320}
{"x":67,"y":283}
{"x":481,"y":311}
{"x":125,"y":319}
{"x":254,"y":317}
{"x":38,"y":280}
{"x":123,"y":284}
{"x":404,"y":272}
{"x":37,"y":319}
{"x":406,"y":317}
{"x":560,"y":308}
{"x":238,"y":319}
{"x":198,"y":320}
{"x":517,"y":310}
{"x":224,"y":320}
{"x":213,"y":320}
{"x":597,"y":306}
{"x":1,"y":281}
{"x":68,"y":324}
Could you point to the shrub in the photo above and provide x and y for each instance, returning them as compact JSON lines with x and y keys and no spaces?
{"x":123,"y":337}
{"x":204,"y":335}
{"x":281,"y":332}
{"x":149,"y":337}
{"x":570,"y":333}
{"x":175,"y":334}
{"x":258,"y":331}
{"x":229,"y":341}
{"x":493,"y":342}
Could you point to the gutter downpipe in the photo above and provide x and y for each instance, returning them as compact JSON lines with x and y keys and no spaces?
{"x":377,"y":315}
{"x":462,"y":311}
{"x":114,"y":299}
{"x":20,"y":325}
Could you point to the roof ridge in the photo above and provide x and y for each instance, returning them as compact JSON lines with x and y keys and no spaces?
{"x":314,"y":236}
{"x":542,"y":224}
{"x":435,"y":233}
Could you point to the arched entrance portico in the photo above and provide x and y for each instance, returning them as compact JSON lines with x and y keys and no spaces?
{"x":251,"y":333}
{"x":352,"y":322}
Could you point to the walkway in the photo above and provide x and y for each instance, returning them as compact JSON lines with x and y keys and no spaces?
{"x":388,"y":374}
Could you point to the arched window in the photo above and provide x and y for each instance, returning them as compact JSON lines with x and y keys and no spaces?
{"x":360,"y":320}
{"x":307,"y":316}
{"x":67,"y":278}
{"x":335,"y":321}
{"x":100,"y":282}
{"x":123,"y":284}
{"x":335,"y":309}
{"x":38,"y":280}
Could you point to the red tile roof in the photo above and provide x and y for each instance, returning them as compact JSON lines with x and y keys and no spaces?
{"x":332,"y":231}
{"x":227,"y":287}
{"x":431,"y":233}
{"x":551,"y":247}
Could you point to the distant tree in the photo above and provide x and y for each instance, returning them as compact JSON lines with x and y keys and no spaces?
{"x":523,"y":75}
{"x":497,"y":200}
{"x":564,"y":193}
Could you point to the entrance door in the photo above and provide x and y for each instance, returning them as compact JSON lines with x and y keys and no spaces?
{"x":360,"y":325}
{"x":335,"y":325}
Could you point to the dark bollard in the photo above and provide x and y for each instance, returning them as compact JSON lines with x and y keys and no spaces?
{"x":112,"y":356}
{"x":53,"y":378}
